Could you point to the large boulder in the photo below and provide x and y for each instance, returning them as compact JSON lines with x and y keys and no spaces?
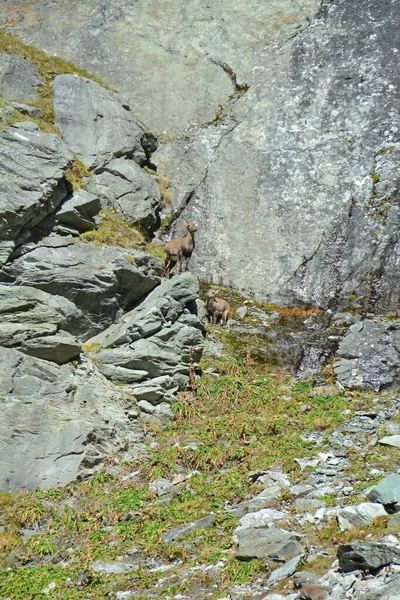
{"x":369,"y":355}
{"x":131,"y":192}
{"x":59,"y":423}
{"x":39,"y":323}
{"x":78,"y":211}
{"x":152,"y":347}
{"x":31,"y":186}
{"x":95,"y":122}
{"x":18,"y":78}
{"x":100,"y":280}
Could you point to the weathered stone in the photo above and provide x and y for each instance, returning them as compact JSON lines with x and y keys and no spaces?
{"x":370,"y":355}
{"x":59,"y":423}
{"x":33,"y":165}
{"x":263,"y":542}
{"x":391,"y":440}
{"x":359,"y":515}
{"x":117,"y":566}
{"x":28,"y":306}
{"x":178,"y":532}
{"x":132,"y":192}
{"x":100,"y":280}
{"x":78,"y":210}
{"x":59,"y":348}
{"x":18,"y":78}
{"x":365,"y":556}
{"x":387,"y":491}
{"x":161,"y":487}
{"x":26,"y":109}
{"x":261,"y":518}
{"x":388,"y":591}
{"x":95,"y":122}
{"x":285,"y":571}
{"x":152,"y":346}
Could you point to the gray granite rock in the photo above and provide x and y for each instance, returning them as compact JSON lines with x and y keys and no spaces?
{"x":99,"y":280}
{"x":370,"y":355}
{"x":78,"y":210}
{"x":152,"y":346}
{"x":95,"y":122}
{"x":264,"y":542}
{"x":31,"y":187}
{"x":387,"y":491}
{"x":365,"y":556}
{"x":18,"y":78}
{"x":87,"y":417}
{"x":391,"y":440}
{"x":132,"y":192}
{"x":359,"y":515}
{"x":285,"y":571}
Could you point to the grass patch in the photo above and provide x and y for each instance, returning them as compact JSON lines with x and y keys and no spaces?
{"x":113,"y":230}
{"x":74,"y":174}
{"x":250,"y":418}
{"x":48,"y":67}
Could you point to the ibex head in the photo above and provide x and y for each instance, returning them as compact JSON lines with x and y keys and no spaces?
{"x":190,"y":224}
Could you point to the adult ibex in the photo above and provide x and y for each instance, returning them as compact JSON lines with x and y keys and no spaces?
{"x":180,"y":249}
{"x":217,"y":308}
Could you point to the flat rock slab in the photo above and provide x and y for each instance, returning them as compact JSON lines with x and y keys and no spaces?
{"x":95,"y":122}
{"x":365,"y":556}
{"x":59,"y":423}
{"x":78,"y":211}
{"x":387,"y":491}
{"x":359,"y":515}
{"x":285,"y":571}
{"x":31,"y":186}
{"x":18,"y":78}
{"x":177,"y":533}
{"x":390,"y":440}
{"x":273,"y":543}
{"x":99,"y":280}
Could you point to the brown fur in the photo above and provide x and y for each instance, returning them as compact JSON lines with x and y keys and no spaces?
{"x":179,"y":250}
{"x":217,"y":308}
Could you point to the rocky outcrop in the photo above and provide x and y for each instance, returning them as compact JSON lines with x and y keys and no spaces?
{"x":18,"y":78}
{"x":59,"y":423}
{"x":369,"y":355}
{"x":33,"y":165}
{"x":39,"y":324}
{"x":131,"y":192}
{"x":95,"y":123}
{"x":152,"y":347}
{"x":99,"y":280}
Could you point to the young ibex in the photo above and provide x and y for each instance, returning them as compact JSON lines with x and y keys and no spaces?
{"x":179,"y":250}
{"x":217,"y":308}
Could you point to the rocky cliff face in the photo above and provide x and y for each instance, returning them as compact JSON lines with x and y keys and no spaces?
{"x":62,"y":411}
{"x":280,"y":127}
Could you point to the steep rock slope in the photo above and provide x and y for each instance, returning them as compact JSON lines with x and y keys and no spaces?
{"x":293,"y":179}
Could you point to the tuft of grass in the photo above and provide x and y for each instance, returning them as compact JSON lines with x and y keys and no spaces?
{"x":74,"y":174}
{"x":113,"y":230}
